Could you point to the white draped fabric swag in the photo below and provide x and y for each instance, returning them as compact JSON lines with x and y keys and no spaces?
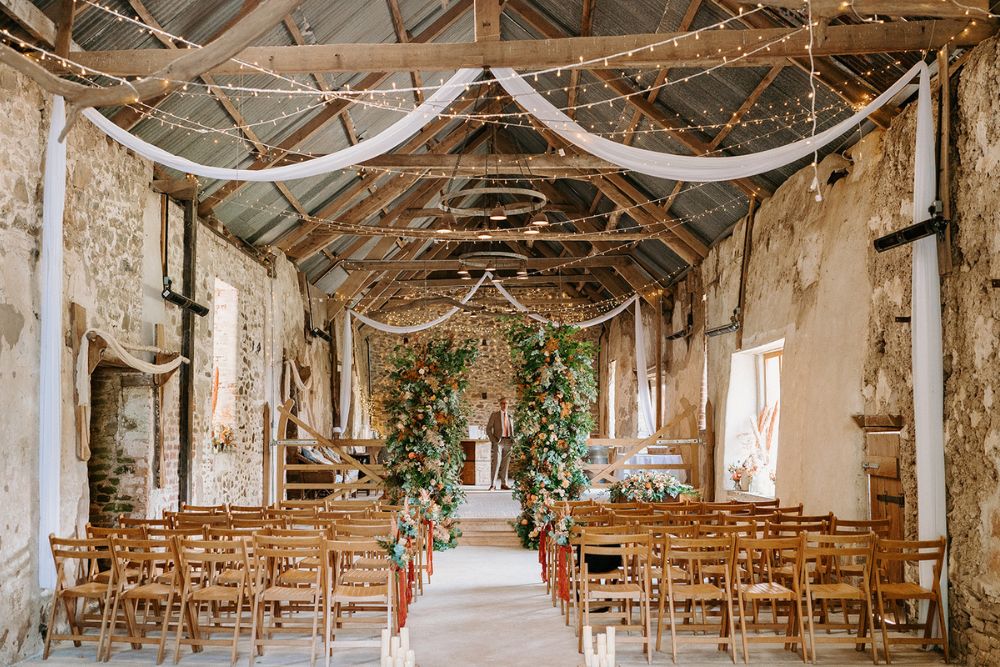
{"x":50,"y":358}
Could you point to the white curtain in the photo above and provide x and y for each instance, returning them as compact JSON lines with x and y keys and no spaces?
{"x":646,"y":422}
{"x":683,"y":167}
{"x":927,"y":354}
{"x":346,"y":364}
{"x":385,"y":141}
{"x":83,"y":358}
{"x":50,"y":361}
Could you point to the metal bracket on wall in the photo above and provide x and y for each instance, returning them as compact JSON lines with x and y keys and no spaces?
{"x":896,"y":500}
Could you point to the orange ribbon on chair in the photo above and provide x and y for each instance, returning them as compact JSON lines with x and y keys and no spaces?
{"x":430,"y":548}
{"x":403,"y":591}
{"x":562,"y":576}
{"x":543,"y":556}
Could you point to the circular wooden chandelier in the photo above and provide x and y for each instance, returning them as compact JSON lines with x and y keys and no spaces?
{"x":535,"y":201}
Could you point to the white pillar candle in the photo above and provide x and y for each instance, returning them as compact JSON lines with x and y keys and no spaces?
{"x":385,"y":642}
{"x":602,"y":648}
{"x":411,"y":658}
{"x":404,"y":639}
{"x":400,"y":661}
{"x":611,"y":646}
{"x":394,"y":647}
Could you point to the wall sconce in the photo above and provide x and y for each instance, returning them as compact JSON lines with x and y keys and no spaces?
{"x":179,"y":299}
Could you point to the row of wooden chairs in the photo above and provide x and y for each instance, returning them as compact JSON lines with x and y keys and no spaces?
{"x":738,"y":523}
{"x":303,"y":578}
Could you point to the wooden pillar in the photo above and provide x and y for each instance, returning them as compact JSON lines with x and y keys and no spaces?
{"x":659,"y":360}
{"x":266,"y":477}
{"x":944,"y":162}
{"x":186,"y":420}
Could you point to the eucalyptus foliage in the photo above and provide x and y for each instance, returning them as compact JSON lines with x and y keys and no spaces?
{"x":556,"y":385}
{"x":427,"y":421}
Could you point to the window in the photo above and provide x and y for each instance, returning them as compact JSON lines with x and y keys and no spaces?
{"x":752,"y":417}
{"x":225,"y":357}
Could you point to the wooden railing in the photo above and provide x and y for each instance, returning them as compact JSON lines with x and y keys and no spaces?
{"x":323,"y":477}
{"x":622,"y":450}
{"x":370,"y":475}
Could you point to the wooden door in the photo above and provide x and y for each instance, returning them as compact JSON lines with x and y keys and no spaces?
{"x":885,"y":489}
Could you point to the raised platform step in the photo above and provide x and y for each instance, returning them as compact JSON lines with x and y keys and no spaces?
{"x":488,"y":532}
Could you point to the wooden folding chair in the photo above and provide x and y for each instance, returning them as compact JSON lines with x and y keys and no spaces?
{"x":832,"y":553}
{"x":626,"y":587}
{"x":278,"y":582}
{"x":213,"y":573}
{"x":204,"y":509}
{"x":155,"y":586}
{"x":760,"y":581}
{"x":76,"y":563}
{"x":691,"y":581}
{"x":358,"y":595}
{"x":200,"y":520}
{"x":134,"y":522}
{"x":890,"y":592}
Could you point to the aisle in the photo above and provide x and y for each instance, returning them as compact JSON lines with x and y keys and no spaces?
{"x":486,"y":606}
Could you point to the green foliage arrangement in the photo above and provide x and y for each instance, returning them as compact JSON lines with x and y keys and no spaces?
{"x":554,"y":372}
{"x":650,"y":487}
{"x":426,"y":422}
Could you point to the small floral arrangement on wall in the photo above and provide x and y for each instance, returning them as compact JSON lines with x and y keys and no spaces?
{"x":650,"y":487}
{"x":223,"y":438}
{"x":743,"y":472}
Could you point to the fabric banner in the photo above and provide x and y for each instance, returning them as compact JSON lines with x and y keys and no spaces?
{"x":51,"y":342}
{"x":383,"y":142}
{"x":686,"y":168}
{"x":646,"y":422}
{"x":928,"y":353}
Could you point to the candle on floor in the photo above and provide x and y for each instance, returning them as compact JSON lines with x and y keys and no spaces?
{"x":394,"y":647}
{"x":411,"y":658}
{"x":404,"y":639}
{"x":602,"y":649}
{"x":611,"y":646}
{"x":385,"y":643}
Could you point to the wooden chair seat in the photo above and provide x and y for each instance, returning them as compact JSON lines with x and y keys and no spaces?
{"x":91,"y":590}
{"x":363,"y":576}
{"x":766,"y":590}
{"x":216,"y":593}
{"x":698,"y":592}
{"x":839,"y":591}
{"x":150,"y":591}
{"x":231,"y":576}
{"x":371,"y":563}
{"x":906,"y":591}
{"x":618,"y":591}
{"x":287,"y":594}
{"x":348,"y":593}
{"x":297,"y":576}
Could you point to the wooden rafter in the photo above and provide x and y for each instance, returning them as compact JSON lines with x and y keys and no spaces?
{"x":586,"y":25}
{"x":726,"y":48}
{"x":331,"y":110}
{"x":894,"y":8}
{"x":403,"y":35}
{"x":487,"y":20}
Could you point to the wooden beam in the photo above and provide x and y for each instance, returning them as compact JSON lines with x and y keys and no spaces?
{"x":129,"y":116}
{"x":531,"y":263}
{"x":32,"y":19}
{"x":540,"y":164}
{"x":586,"y":25}
{"x":713,"y":48}
{"x":532,"y":282}
{"x":487,"y":13}
{"x":332,"y":110}
{"x":404,"y":36}
{"x":64,"y":33}
{"x":894,"y":8}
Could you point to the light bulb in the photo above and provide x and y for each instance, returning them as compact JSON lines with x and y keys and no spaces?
{"x":540,"y":220}
{"x":498,"y":213}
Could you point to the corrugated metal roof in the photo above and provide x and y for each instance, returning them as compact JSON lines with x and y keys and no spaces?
{"x":260,"y":214}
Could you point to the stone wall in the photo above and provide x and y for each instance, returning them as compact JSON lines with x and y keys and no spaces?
{"x":112,"y":270}
{"x":814,"y":281}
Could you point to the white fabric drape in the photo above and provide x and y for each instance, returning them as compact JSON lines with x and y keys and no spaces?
{"x":600,"y":319}
{"x":83,"y":357}
{"x":646,"y":423}
{"x":385,"y":141}
{"x":346,"y":363}
{"x":50,"y":342}
{"x":927,"y":353}
{"x":684,"y":167}
{"x":390,"y":328}
{"x":292,"y":375}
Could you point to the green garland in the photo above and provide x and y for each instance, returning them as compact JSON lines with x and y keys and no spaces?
{"x":426,"y":422}
{"x":555,"y":387}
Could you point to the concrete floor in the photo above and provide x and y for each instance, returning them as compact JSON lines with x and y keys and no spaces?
{"x":485,"y":606}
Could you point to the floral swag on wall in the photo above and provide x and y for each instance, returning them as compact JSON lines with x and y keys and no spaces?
{"x":554,"y":372}
{"x":426,"y":421}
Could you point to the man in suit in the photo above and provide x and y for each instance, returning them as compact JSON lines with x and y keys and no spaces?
{"x":500,"y":431}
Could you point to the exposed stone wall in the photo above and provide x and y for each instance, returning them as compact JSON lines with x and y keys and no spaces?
{"x":814,"y":280}
{"x":972,"y":364}
{"x":111,"y":269}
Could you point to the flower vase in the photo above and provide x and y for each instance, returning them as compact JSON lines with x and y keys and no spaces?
{"x":744,"y":482}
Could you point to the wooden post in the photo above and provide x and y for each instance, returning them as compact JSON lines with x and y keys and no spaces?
{"x":78,"y":325}
{"x":744,"y":268}
{"x":266,"y":477}
{"x":659,"y":360}
{"x":944,"y":163}
{"x":186,"y":413}
{"x":281,"y":453}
